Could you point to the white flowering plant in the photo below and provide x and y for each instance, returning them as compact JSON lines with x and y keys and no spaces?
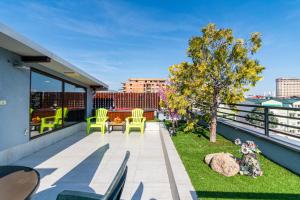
{"x":249,"y":164}
{"x":247,"y":147}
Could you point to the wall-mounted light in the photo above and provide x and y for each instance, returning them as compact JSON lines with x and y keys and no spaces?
{"x":20,"y":65}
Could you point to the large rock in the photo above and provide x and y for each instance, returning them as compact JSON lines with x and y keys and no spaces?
{"x":209,"y":157}
{"x":224,"y":164}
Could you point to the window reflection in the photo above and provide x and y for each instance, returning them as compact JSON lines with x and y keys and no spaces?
{"x":50,"y":108}
{"x":74,"y":104}
{"x":46,"y":104}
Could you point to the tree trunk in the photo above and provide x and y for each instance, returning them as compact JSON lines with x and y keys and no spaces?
{"x":213,"y":129}
{"x":213,"y":121}
{"x":173,"y":126}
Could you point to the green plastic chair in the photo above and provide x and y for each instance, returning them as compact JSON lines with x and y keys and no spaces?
{"x":53,"y":121}
{"x":136,"y":120}
{"x":101,"y":118}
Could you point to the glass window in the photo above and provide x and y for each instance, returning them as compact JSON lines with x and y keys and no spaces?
{"x":54,"y":104}
{"x":74,"y":104}
{"x":46,"y":104}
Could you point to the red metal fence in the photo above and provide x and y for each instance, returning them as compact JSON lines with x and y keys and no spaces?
{"x":125,"y":101}
{"x":54,"y":99}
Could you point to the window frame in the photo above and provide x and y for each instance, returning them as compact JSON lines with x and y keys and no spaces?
{"x":63,"y":81}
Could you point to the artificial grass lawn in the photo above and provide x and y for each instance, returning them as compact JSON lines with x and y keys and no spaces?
{"x":276,"y":182}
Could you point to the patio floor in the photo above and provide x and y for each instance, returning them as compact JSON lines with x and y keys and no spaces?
{"x":86,"y":164}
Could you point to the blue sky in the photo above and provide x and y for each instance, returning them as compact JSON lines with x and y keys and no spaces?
{"x":116,"y":40}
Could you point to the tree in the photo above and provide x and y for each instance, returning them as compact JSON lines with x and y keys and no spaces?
{"x":165,"y":103}
{"x":221,"y":71}
{"x":257,"y":118}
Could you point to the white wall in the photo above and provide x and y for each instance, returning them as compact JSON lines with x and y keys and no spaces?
{"x":12,"y":154}
{"x":14,"y":89}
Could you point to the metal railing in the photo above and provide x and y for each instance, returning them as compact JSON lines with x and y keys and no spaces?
{"x":270,"y":119}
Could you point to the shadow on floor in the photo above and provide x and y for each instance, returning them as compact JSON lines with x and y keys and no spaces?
{"x":45,"y":171}
{"x":85,"y":170}
{"x":78,"y":178}
{"x":139,"y":192}
{"x":51,"y":150}
{"x":246,"y":195}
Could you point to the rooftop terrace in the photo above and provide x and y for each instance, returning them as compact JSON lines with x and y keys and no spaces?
{"x":89,"y":163}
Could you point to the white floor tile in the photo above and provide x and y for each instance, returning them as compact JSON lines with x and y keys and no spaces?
{"x":77,"y":163}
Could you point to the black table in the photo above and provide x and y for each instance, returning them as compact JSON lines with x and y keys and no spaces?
{"x":111,"y":126}
{"x":18,"y":182}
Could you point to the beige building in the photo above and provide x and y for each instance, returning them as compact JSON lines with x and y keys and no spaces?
{"x":143,"y":85}
{"x":287,"y":87}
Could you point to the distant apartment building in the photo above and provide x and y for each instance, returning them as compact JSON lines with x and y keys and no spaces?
{"x":143,"y":85}
{"x":287,"y":87}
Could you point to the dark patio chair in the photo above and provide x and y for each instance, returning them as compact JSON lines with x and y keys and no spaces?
{"x":113,"y":192}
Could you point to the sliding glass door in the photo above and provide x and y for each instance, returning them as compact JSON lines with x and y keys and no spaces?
{"x":54,"y":104}
{"x":74,"y":103}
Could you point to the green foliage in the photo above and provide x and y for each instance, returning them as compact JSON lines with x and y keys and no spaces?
{"x":221,"y":71}
{"x":168,"y":123}
{"x":253,"y":117}
{"x":181,"y":128}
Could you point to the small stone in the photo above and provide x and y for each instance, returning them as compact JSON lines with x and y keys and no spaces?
{"x":225,"y":164}
{"x":209,"y":157}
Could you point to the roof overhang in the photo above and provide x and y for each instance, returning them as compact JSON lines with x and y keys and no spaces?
{"x":31,"y":52}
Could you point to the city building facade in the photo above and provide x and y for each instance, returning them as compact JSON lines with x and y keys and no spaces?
{"x":287,"y":87}
{"x":144,"y":85}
